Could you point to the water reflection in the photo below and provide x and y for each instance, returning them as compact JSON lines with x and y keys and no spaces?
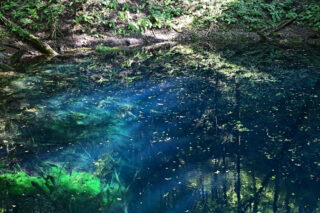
{"x":177,"y":130}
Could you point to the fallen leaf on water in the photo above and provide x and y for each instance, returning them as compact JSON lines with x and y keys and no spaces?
{"x":31,"y":110}
{"x":165,"y":195}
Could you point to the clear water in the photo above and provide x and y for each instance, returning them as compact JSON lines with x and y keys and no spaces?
{"x":178,"y":129}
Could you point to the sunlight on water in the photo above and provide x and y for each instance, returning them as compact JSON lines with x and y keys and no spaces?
{"x":165,"y":134}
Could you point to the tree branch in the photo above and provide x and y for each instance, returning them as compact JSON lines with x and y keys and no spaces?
{"x":22,"y":34}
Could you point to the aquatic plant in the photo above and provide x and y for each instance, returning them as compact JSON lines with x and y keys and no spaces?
{"x":20,"y":184}
{"x":66,"y":192}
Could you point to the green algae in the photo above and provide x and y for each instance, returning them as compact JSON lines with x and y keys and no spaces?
{"x":20,"y":184}
{"x":77,"y":190}
{"x":76,"y":183}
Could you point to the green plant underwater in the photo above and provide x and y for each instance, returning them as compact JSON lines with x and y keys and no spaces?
{"x":77,"y":190}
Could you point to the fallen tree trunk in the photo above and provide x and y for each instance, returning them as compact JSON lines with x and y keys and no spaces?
{"x":265,"y":35}
{"x":24,"y":35}
{"x":283,"y":25}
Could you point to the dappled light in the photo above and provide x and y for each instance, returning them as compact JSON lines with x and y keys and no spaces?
{"x":178,"y":128}
{"x":159,"y":106}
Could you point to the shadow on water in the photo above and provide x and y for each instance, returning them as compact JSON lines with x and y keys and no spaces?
{"x":180,"y":129}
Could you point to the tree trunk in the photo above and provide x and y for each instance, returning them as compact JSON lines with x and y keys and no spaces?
{"x":288,"y":209}
{"x":225,"y":197}
{"x":255,"y":202}
{"x":276,"y":192}
{"x":285,"y":147}
{"x":238,"y":160}
{"x":24,"y":35}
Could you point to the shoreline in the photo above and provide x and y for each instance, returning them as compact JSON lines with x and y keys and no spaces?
{"x":85,"y":44}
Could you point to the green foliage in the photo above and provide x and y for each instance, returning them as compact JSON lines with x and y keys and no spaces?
{"x":156,"y":15}
{"x":65,"y":186}
{"x":34,"y":14}
{"x":144,"y":23}
{"x":61,"y":184}
{"x":127,"y":17}
{"x":162,"y":15}
{"x":75,"y":189}
{"x":3,"y":34}
{"x":113,"y":4}
{"x":133,"y":27}
{"x":20,"y":183}
{"x":257,"y":14}
{"x":311,"y":16}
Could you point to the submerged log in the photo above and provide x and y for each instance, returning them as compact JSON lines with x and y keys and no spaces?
{"x":24,"y":35}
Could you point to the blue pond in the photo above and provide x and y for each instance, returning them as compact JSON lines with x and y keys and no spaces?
{"x":179,"y":129}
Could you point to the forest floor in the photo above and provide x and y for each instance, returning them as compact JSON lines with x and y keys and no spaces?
{"x":130,"y":25}
{"x":79,"y":43}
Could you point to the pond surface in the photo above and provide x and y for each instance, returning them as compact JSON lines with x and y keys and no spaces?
{"x":174,"y":129}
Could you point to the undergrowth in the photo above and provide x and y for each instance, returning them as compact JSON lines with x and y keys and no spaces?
{"x":257,"y":15}
{"x":135,"y":17}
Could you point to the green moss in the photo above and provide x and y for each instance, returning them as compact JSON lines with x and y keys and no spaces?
{"x":76,"y":183}
{"x":60,"y":183}
{"x":79,"y":190}
{"x":20,"y":184}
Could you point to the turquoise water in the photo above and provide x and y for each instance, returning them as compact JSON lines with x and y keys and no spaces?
{"x":178,"y":129}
